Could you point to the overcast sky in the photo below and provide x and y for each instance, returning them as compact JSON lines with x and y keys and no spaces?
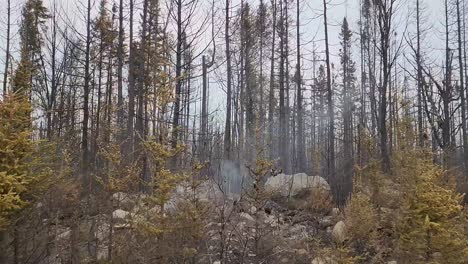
{"x":311,"y":29}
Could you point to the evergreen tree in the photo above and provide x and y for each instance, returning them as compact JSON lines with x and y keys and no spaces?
{"x":16,"y":148}
{"x":348,"y":98}
{"x":432,"y":222}
{"x":34,"y":14}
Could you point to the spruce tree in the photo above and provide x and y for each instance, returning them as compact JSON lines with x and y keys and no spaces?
{"x":431,"y":229}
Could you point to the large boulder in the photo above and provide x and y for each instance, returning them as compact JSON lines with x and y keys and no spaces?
{"x":291,"y":185}
{"x":247,"y":217}
{"x":207,"y":191}
{"x":339,"y":232}
{"x":120,"y":214}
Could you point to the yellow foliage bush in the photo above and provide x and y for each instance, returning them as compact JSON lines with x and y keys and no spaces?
{"x":319,"y":202}
{"x":361,"y":218}
{"x":167,"y":234}
{"x":331,"y":254}
{"x":432,"y":222}
{"x":16,"y":148}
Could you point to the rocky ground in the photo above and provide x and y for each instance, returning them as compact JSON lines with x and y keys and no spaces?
{"x":284,"y":226}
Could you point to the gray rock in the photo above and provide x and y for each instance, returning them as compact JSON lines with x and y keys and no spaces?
{"x":339,"y":232}
{"x":301,"y":218}
{"x":296,"y":232}
{"x":325,"y":222}
{"x":207,"y":191}
{"x":120,"y":214}
{"x":272,"y":207}
{"x":335,"y":212}
{"x":271,"y":220}
{"x":302,"y":252}
{"x":247,"y":217}
{"x":253,"y":210}
{"x":291,"y":185}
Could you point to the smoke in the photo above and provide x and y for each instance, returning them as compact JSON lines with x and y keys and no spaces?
{"x":231,"y":177}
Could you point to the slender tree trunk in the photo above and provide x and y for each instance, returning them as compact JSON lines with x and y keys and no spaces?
{"x":261,"y":110}
{"x":287,"y":135}
{"x":99,"y":99}
{"x":176,"y":115}
{"x":7,"y":51}
{"x":465,"y":71}
{"x":282,"y":111}
{"x":250,"y":87}
{"x":241,"y":98}
{"x":131,"y":89}
{"x":362,"y":119}
{"x":84,"y":139}
{"x":345,"y":182}
{"x":462,"y":91}
{"x":53,"y":92}
{"x":300,"y":123}
{"x":331,"y":115}
{"x":109,"y":85}
{"x":227,"y":128}
{"x":385,"y":13}
{"x":204,"y":113}
{"x":120,"y":59}
{"x":447,"y":143}
{"x":419,"y":75}
{"x":140,"y":118}
{"x":271,"y":96}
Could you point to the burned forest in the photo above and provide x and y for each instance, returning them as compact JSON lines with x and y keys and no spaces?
{"x":233,"y":131}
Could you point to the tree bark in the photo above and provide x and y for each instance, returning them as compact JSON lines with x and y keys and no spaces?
{"x":131,"y":89}
{"x":462,"y":91}
{"x":227,"y":127}
{"x":7,"y":51}
{"x":300,"y":122}
{"x":331,"y":114}
{"x":84,"y":139}
{"x":271,"y":95}
{"x":120,"y":59}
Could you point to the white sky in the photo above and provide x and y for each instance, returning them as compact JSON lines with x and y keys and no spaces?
{"x":311,"y":29}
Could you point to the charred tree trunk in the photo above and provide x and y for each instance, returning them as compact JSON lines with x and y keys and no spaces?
{"x":385,"y":14}
{"x":271,"y":95}
{"x":84,"y":139}
{"x":331,"y":115}
{"x":140,"y":118}
{"x":179,"y":43}
{"x":120,"y":59}
{"x":131,"y":89}
{"x":419,"y":76}
{"x":301,"y":163}
{"x":462,"y":91}
{"x":227,"y":128}
{"x":7,"y":50}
